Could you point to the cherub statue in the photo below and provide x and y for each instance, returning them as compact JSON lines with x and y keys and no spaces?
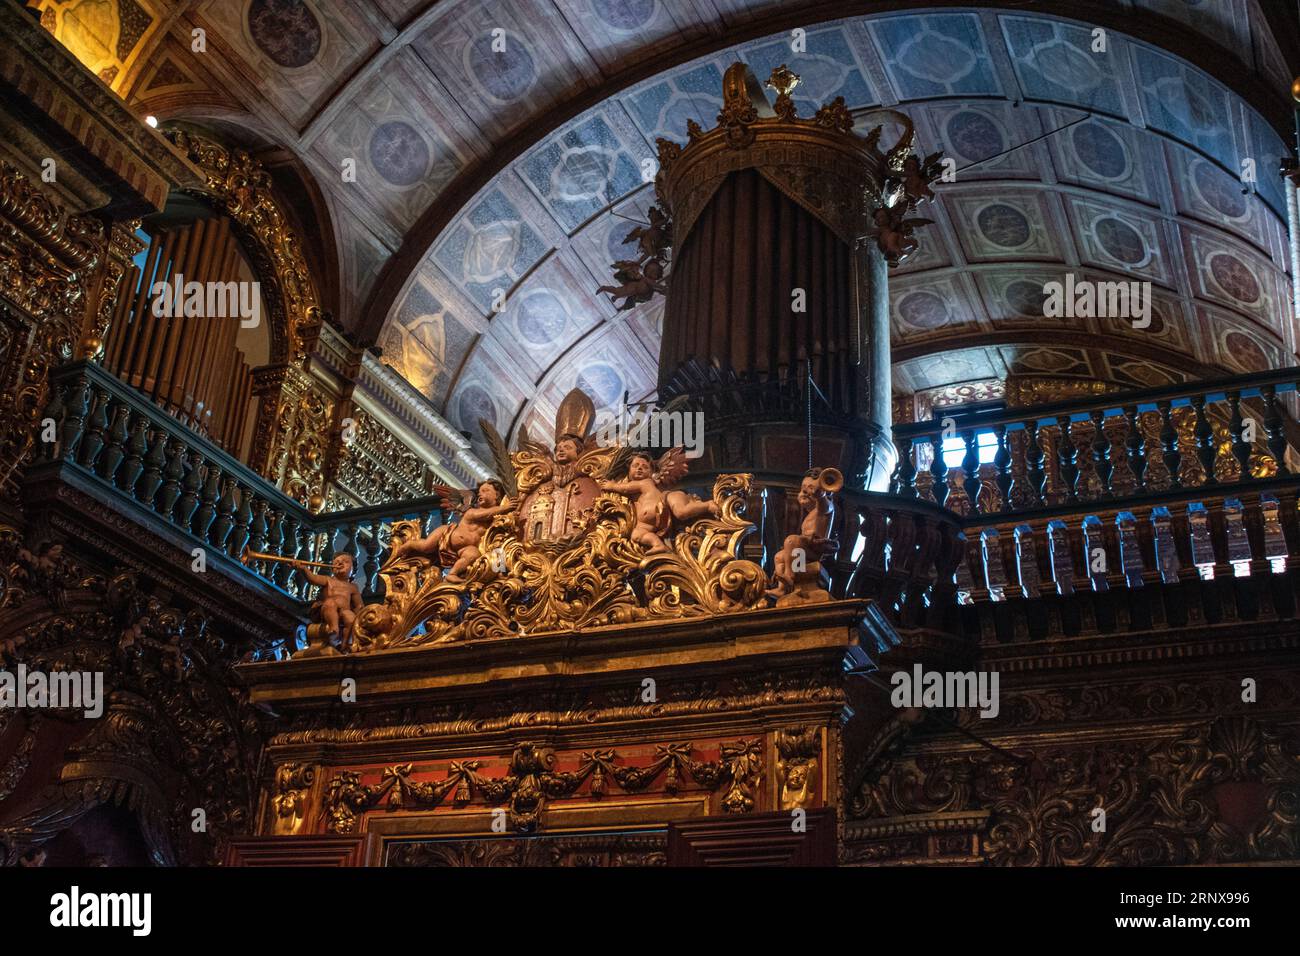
{"x":656,"y":506}
{"x":640,"y":282}
{"x":454,"y":546}
{"x":918,"y":174}
{"x":654,"y":239}
{"x":797,"y":566}
{"x":894,"y":233}
{"x":337,"y":605}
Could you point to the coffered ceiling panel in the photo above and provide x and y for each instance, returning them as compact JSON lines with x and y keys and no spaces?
{"x":500,"y":153}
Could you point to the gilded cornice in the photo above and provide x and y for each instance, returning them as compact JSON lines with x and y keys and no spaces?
{"x":843,"y":179}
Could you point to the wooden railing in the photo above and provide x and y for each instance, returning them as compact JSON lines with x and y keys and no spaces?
{"x":1125,"y":511}
{"x":149,"y":459}
{"x":1119,"y":446}
{"x":1128,"y":523}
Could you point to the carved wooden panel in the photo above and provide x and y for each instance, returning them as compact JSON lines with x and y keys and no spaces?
{"x":769,"y":839}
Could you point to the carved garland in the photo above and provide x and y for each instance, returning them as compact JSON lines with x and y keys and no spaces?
{"x":532,"y":780}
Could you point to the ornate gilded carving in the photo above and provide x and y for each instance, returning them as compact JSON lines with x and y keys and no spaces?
{"x":844,"y":180}
{"x":378,"y":467}
{"x":784,"y":82}
{"x":347,"y":798}
{"x":568,"y":556}
{"x":1225,"y":789}
{"x":301,"y":438}
{"x":13,"y":769}
{"x":835,"y":115}
{"x":605,"y":849}
{"x":740,"y":99}
{"x":798,"y":754}
{"x":175,"y":736}
{"x":676,"y":699}
{"x":239,"y":187}
{"x":123,"y":245}
{"x":293,"y":782}
{"x":532,"y":780}
{"x":48,"y":263}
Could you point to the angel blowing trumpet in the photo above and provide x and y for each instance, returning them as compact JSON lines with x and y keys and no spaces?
{"x":798,"y":565}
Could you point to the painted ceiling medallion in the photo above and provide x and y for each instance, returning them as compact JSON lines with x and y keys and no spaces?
{"x":399,"y":153}
{"x":285,"y":30}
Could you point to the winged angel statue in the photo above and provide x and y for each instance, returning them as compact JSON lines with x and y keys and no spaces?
{"x":579,"y":535}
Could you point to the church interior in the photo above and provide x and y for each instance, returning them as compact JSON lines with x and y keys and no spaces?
{"x":649,"y":433}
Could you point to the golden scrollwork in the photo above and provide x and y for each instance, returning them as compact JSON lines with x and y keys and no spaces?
{"x":302,"y":438}
{"x":48,"y":264}
{"x":378,"y":466}
{"x":123,"y":245}
{"x":574,"y":549}
{"x":602,"y":578}
{"x":292,"y":783}
{"x":241,"y":188}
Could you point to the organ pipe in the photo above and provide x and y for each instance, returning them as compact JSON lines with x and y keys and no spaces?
{"x":189,"y":365}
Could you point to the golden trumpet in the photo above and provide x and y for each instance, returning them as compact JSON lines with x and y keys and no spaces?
{"x":250,"y":555}
{"x":830,"y":480}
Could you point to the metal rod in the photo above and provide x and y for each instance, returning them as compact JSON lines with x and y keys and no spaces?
{"x":249,"y":555}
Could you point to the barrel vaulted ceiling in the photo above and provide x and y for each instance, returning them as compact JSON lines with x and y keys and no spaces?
{"x":521,"y":171}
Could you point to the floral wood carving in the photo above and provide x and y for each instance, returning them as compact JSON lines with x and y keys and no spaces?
{"x":532,"y":780}
{"x":1224,"y":790}
{"x":175,"y":734}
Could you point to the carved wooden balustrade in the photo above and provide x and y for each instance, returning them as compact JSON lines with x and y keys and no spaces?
{"x":1157,"y":511}
{"x":160,"y":471}
{"x":1174,"y":517}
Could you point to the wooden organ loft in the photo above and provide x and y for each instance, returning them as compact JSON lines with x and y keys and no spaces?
{"x":518,"y":693}
{"x":198,"y":368}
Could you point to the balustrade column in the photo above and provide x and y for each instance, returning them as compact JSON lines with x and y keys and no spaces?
{"x":1173,"y":457}
{"x":1101,"y":462}
{"x":1133,"y":442}
{"x":1273,"y":427}
{"x":1068,"y":456}
{"x":938,"y":471}
{"x":1205,"y":450}
{"x":1236,"y":431}
{"x":970,"y":466}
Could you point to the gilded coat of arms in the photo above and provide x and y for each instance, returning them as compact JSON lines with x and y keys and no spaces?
{"x":574,"y":536}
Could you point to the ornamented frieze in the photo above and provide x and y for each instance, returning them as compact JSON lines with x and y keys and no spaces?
{"x":604,"y":849}
{"x":533,"y":779}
